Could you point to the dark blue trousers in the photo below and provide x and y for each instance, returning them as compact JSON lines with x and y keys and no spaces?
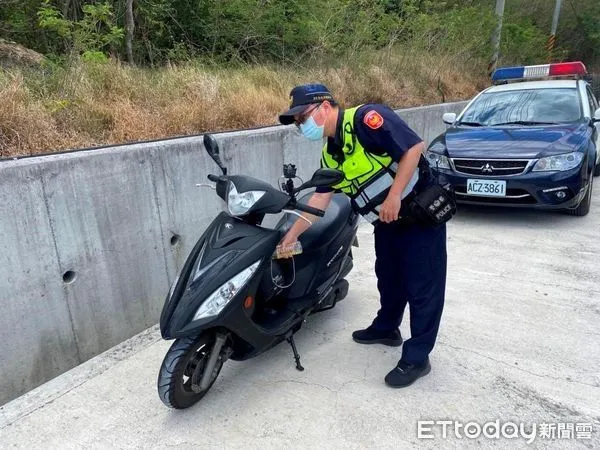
{"x":411,"y":268}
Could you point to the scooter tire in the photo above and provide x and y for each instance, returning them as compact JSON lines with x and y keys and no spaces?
{"x":175,"y":376}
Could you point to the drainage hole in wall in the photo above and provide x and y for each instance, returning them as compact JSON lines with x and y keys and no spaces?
{"x":69,"y":276}
{"x":175,"y":239}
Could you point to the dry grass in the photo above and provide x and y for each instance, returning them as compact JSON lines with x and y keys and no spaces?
{"x":86,"y":105}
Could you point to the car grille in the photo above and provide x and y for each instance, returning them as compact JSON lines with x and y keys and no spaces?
{"x":513,"y":197}
{"x":490,"y":167}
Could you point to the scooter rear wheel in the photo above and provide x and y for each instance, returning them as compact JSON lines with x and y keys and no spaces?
{"x":183,"y":368}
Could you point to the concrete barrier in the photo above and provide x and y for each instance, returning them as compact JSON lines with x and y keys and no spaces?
{"x":91,"y":240}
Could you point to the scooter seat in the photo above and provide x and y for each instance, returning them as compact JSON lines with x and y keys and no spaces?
{"x":326,"y":228}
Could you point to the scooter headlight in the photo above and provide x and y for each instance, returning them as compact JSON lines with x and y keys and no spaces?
{"x":239,"y":203}
{"x":215,"y":303}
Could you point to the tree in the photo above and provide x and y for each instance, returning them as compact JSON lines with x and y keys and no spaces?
{"x":93,"y":36}
{"x":130,"y":27}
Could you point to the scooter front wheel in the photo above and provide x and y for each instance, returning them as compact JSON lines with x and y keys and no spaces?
{"x":183,"y":368}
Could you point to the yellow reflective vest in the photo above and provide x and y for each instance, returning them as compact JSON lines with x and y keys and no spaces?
{"x":367,"y":177}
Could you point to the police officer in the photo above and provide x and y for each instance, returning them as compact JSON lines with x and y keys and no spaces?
{"x":381,"y":158}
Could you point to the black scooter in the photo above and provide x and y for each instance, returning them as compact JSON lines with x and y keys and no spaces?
{"x":232,"y":299}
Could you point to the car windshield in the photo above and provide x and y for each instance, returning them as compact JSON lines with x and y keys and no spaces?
{"x":524,"y":107}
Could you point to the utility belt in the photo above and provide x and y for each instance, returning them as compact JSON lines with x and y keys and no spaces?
{"x":431,"y":205}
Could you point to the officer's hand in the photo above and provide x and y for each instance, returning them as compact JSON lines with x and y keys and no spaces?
{"x":390,"y":208}
{"x":288,"y":239}
{"x":287,"y":242}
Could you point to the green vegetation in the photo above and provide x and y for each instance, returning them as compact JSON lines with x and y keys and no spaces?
{"x":134,"y":69}
{"x":294,"y":31}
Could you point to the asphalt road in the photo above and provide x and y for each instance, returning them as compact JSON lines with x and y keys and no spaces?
{"x":518,"y":343}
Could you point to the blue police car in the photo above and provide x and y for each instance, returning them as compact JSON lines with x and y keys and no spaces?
{"x":530,"y":140}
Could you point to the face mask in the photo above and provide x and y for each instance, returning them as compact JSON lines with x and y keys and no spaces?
{"x":311,"y":130}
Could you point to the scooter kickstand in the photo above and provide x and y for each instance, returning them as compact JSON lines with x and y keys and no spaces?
{"x":296,"y":355}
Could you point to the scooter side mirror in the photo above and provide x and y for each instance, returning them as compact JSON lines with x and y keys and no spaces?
{"x":323,"y":178}
{"x":212,"y":148}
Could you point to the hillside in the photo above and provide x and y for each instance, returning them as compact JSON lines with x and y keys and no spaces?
{"x":77,"y":74}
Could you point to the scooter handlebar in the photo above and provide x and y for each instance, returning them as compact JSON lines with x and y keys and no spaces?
{"x":309,"y":209}
{"x":213,"y":178}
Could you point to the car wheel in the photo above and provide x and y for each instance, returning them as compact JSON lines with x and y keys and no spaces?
{"x":584,"y":206}
{"x":597,"y":170}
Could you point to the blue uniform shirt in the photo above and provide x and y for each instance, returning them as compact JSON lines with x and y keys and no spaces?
{"x":393,"y":136}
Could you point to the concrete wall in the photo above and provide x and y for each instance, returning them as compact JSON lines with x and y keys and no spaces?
{"x":119,"y":223}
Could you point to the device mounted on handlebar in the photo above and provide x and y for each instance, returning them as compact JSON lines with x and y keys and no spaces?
{"x":289,"y":173}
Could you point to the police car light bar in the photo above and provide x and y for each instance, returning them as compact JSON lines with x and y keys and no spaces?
{"x":541,"y":71}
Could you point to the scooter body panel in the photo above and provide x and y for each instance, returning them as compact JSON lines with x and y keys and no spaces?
{"x":229,"y":246}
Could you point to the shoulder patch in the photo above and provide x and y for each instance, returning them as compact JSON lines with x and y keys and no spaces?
{"x":373,"y":120}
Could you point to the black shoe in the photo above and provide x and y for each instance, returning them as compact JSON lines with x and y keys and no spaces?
{"x":405,"y":374}
{"x":372,"y":336}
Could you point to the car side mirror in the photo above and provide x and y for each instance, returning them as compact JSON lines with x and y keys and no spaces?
{"x":212,"y":148}
{"x":449,"y":118}
{"x":323,"y":178}
{"x":596,"y":117}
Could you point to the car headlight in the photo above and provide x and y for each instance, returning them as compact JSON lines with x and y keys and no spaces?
{"x":240,"y":203}
{"x":215,"y":303}
{"x":564,"y":162}
{"x":437,"y":160}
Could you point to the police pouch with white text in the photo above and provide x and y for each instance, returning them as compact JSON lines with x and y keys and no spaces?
{"x":433,"y":206}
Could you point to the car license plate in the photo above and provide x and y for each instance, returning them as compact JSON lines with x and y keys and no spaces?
{"x":486,"y":188}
